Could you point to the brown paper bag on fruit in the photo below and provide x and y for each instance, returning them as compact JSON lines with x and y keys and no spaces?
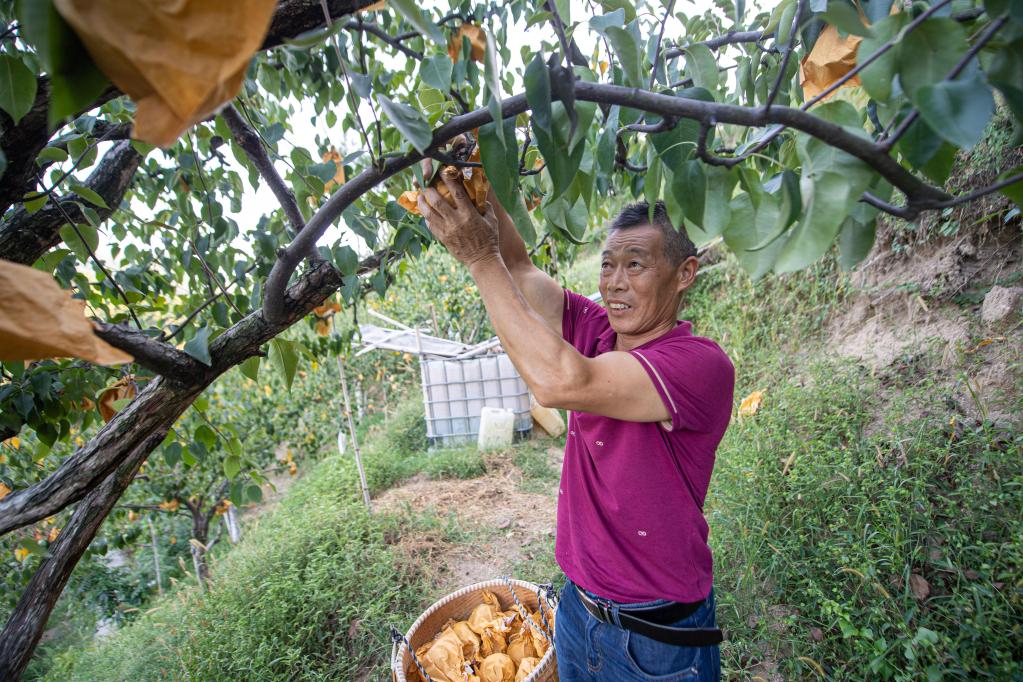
{"x":179,"y":60}
{"x":831,"y":58}
{"x":40,"y":320}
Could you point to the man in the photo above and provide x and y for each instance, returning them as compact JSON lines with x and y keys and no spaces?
{"x":649,"y":404}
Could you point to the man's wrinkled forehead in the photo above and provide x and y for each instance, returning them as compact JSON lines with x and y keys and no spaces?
{"x":641,"y":240}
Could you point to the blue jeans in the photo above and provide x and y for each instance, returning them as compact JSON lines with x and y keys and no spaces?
{"x":593,"y":651}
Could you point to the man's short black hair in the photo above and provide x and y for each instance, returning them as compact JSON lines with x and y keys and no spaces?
{"x":677,"y":244}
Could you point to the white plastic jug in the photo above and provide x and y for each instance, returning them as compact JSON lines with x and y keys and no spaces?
{"x":496,"y":428}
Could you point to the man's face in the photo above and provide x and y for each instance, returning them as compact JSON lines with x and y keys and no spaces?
{"x":639,"y":285}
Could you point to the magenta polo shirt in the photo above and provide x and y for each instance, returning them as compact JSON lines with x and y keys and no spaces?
{"x":630,"y":509}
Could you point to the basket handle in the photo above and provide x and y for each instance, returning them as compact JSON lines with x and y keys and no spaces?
{"x":397,"y":638}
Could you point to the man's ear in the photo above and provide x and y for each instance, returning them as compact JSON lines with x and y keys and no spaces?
{"x":685,"y":273}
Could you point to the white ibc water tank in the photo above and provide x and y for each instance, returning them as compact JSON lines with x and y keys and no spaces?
{"x":497,"y":426}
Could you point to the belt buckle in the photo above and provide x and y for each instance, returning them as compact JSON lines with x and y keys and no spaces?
{"x":604,"y":606}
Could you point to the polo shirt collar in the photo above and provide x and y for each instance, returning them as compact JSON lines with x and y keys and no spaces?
{"x":606,"y":339}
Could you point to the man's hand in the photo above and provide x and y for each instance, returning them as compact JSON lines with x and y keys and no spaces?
{"x":469,"y":236}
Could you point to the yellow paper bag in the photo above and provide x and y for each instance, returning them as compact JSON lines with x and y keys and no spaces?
{"x":179,"y":60}
{"x":40,"y":320}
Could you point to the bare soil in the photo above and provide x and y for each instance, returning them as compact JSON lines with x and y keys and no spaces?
{"x":919,"y":310}
{"x":498,"y":519}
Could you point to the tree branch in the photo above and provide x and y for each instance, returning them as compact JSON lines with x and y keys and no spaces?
{"x":294,"y":17}
{"x":25,"y":237}
{"x":27,"y":621}
{"x":156,"y":356}
{"x":660,"y":37}
{"x":665,"y":105}
{"x":730,"y":38}
{"x":394,"y":41}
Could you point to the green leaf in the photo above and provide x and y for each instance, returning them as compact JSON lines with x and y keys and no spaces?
{"x":919,"y":143}
{"x":172,"y":453}
{"x":199,"y":346}
{"x":346,"y":260}
{"x":652,"y":179}
{"x":253,"y":492}
{"x":35,"y":203}
{"x":55,"y":154}
{"x":957,"y":110}
{"x":75,"y":242}
{"x":188,"y":457}
{"x":205,"y":435}
{"x":324,"y":171}
{"x":1005,"y":72}
{"x":284,"y":358}
{"x":410,"y":122}
{"x":90,"y":195}
{"x":628,"y":46}
{"x":845,"y":18}
{"x":17,"y":87}
{"x":232,"y":465}
{"x":409,"y":9}
{"x":492,"y":74}
{"x":626,"y":6}
{"x":939,"y":166}
{"x":749,"y":228}
{"x":677,"y":145}
{"x":855,"y":241}
{"x":436,"y":72}
{"x":929,"y":52}
{"x":606,"y":21}
{"x":702,"y":67}
{"x":250,"y":367}
{"x":538,"y":93}
{"x":717,"y":205}
{"x":877,"y":78}
{"x":75,"y":80}
{"x":570,"y":220}
{"x":501,"y":163}
{"x":689,"y":189}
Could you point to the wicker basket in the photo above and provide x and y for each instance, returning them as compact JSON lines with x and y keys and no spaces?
{"x":459,"y":605}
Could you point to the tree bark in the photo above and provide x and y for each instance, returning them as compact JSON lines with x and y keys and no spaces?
{"x":28,"y":620}
{"x":22,"y":143}
{"x":24,"y":237}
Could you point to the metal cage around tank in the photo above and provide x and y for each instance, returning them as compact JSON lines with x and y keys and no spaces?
{"x":455,"y":391}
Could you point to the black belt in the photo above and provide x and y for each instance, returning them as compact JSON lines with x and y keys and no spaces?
{"x":650,"y":621}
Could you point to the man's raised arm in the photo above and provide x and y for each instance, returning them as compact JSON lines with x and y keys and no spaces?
{"x":542,"y":293}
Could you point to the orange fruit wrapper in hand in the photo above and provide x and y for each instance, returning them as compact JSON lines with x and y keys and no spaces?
{"x":473,"y":179}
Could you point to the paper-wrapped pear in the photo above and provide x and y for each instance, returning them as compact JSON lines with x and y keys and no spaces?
{"x":442,"y":658}
{"x":497,"y":668}
{"x":487,"y":615}
{"x":521,"y":646}
{"x":526,"y":667}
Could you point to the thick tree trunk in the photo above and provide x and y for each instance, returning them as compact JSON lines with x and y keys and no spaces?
{"x":25,"y":237}
{"x":28,"y":620}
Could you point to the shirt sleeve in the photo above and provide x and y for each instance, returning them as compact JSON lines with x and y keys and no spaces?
{"x":695,"y":380}
{"x":577,"y":314}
